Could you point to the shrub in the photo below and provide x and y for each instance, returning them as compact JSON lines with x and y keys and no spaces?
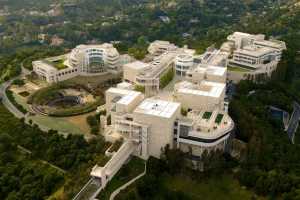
{"x":12,"y":99}
{"x":81,"y":109}
{"x":139,"y":88}
{"x":18,"y":82}
{"x":94,"y":130}
{"x":109,"y":120}
{"x":184,"y":112}
{"x":92,"y":120}
{"x":166,"y":78}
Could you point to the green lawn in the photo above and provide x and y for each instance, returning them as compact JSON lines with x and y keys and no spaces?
{"x":126,"y":173}
{"x":58,"y":124}
{"x":54,"y":123}
{"x":237,"y":69}
{"x":207,"y":115}
{"x":219,"y":118}
{"x":21,"y":100}
{"x":59,"y":64}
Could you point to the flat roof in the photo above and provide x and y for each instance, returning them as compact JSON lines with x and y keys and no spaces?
{"x":127,"y":95}
{"x":271,"y":43}
{"x":254,"y":51}
{"x":205,"y":88}
{"x":124,"y":85}
{"x":210,"y":69}
{"x":157,"y":107}
{"x":46,"y":66}
{"x":214,"y":70}
{"x":137,"y":65}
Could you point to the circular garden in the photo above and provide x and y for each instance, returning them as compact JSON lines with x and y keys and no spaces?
{"x":62,"y":100}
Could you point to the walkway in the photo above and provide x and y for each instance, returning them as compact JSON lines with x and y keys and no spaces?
{"x":6,"y":102}
{"x":89,"y":190}
{"x":294,"y":122}
{"x":117,"y":191}
{"x":101,"y":175}
{"x":27,"y":151}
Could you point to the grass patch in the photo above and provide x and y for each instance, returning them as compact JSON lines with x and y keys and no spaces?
{"x":44,"y":95}
{"x":126,"y":173}
{"x":24,"y":94}
{"x":166,"y":78}
{"x":139,"y":88}
{"x":207,"y":115}
{"x":12,"y":99}
{"x":58,"y":124}
{"x":219,"y":118}
{"x":237,"y":69}
{"x":77,"y":110}
{"x":59,"y":64}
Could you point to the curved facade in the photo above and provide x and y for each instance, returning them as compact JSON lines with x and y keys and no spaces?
{"x":93,"y":59}
{"x":85,"y":60}
{"x":183,"y":63}
{"x":204,"y":134}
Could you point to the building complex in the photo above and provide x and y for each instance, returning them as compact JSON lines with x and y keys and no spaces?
{"x":85,"y":60}
{"x":251,"y":56}
{"x":159,"y":62}
{"x":189,"y":114}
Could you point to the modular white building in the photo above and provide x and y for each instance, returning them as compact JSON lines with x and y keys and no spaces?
{"x":204,"y":96}
{"x":152,"y":123}
{"x":162,"y":57}
{"x":147,"y":125}
{"x":159,"y":47}
{"x":183,"y":63}
{"x":206,"y":72}
{"x":85,"y":60}
{"x":203,"y":130}
{"x":252,"y":55}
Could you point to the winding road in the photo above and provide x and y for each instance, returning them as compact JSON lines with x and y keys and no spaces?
{"x":6,"y":101}
{"x":4,"y":97}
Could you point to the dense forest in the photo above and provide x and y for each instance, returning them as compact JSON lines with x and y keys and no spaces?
{"x":33,"y":163}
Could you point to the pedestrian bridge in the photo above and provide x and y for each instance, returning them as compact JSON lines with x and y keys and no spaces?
{"x":106,"y":173}
{"x":102,"y":175}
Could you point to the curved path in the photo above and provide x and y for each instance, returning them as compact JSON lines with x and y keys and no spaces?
{"x":117,"y":191}
{"x":6,"y":102}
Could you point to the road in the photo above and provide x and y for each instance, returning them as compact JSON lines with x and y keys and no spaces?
{"x":6,"y":101}
{"x":294,"y":122}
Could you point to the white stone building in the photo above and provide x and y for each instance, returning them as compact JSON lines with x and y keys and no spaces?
{"x":204,"y":96}
{"x":147,"y":125}
{"x":85,"y":60}
{"x":162,"y":57}
{"x":252,"y":55}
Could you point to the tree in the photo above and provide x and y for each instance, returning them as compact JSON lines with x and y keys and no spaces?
{"x":18,"y":82}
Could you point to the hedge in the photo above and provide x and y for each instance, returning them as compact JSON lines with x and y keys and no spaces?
{"x":45,"y":95}
{"x":12,"y":99}
{"x":77,"y":110}
{"x":166,"y":78}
